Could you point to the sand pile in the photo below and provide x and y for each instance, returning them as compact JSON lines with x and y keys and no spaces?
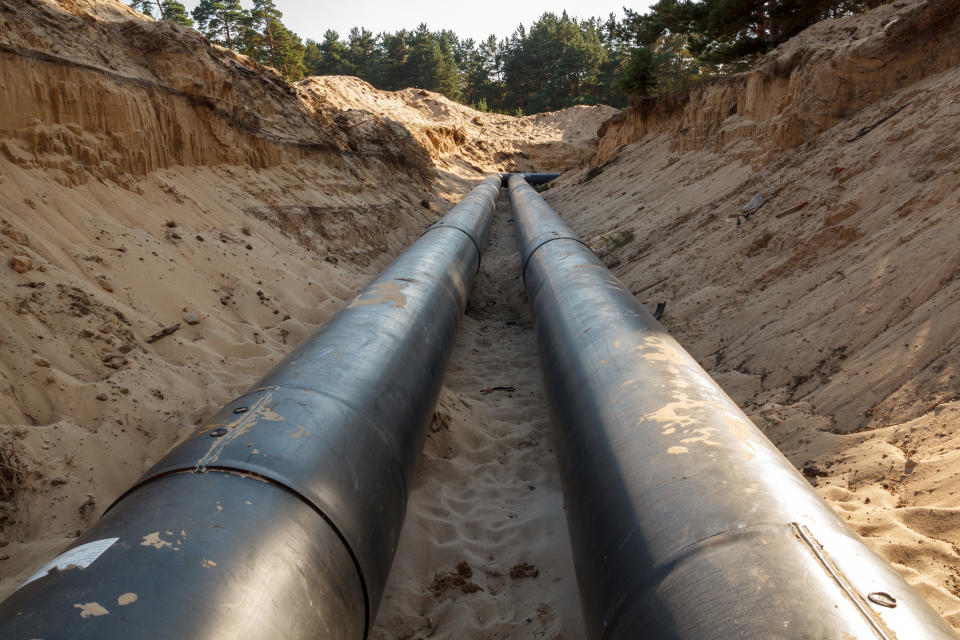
{"x":462,"y":141}
{"x":826,"y":305}
{"x":149,"y":180}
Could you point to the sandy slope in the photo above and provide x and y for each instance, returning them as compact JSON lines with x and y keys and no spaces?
{"x":463,"y":138}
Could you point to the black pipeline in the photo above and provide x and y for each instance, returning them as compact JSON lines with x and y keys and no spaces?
{"x":686,"y":522}
{"x":279,"y":518}
{"x":531,"y":178}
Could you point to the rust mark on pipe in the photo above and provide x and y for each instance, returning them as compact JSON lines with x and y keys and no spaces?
{"x":388,"y":291}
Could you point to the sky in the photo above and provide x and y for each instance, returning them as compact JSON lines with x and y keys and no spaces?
{"x":477,"y":20}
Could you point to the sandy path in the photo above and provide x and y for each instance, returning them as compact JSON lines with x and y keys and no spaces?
{"x":484,"y":551}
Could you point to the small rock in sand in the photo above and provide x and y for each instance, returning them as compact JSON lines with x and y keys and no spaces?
{"x":166,"y":331}
{"x":755,"y":203}
{"x":105,"y":284}
{"x":102,"y":397}
{"x":114,"y":362}
{"x":16,"y":236}
{"x":191,"y":318}
{"x":21,"y":263}
{"x":524,"y":570}
{"x":59,"y":480}
{"x":41,"y":362}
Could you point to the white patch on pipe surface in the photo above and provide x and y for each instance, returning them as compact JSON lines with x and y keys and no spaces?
{"x":77,"y":558}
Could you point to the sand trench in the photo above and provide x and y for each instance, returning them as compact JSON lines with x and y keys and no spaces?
{"x":484,"y":550}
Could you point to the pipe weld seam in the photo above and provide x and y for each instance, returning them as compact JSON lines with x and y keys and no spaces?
{"x":658,"y":571}
{"x":547,"y":241}
{"x":476,"y":245}
{"x":272,"y":481}
{"x":834,"y":572}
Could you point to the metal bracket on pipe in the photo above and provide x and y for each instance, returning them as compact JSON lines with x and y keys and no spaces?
{"x":441,"y":225}
{"x":465,"y":221}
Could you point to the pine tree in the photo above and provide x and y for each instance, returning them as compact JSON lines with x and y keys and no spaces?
{"x":395,"y":54}
{"x":326,"y":58}
{"x":168,"y":9}
{"x":268,"y":41}
{"x":221,"y":21}
{"x":143,"y":6}
{"x":638,"y":78}
{"x":175,"y":12}
{"x":732,"y":33}
{"x":361,"y":54}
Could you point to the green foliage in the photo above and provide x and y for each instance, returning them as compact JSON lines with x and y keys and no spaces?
{"x":222,"y":21}
{"x":559,"y":61}
{"x":325,"y":58}
{"x":638,"y":77}
{"x":688,"y":40}
{"x":429,"y":62}
{"x":143,"y":6}
{"x":269,"y":42}
{"x":171,"y":10}
{"x":609,"y":242}
{"x":175,"y":12}
{"x":555,"y":64}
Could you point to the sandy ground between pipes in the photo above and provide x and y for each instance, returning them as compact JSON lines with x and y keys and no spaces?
{"x":484,"y":551}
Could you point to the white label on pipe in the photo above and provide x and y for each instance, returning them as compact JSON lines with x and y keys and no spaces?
{"x":77,"y":558}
